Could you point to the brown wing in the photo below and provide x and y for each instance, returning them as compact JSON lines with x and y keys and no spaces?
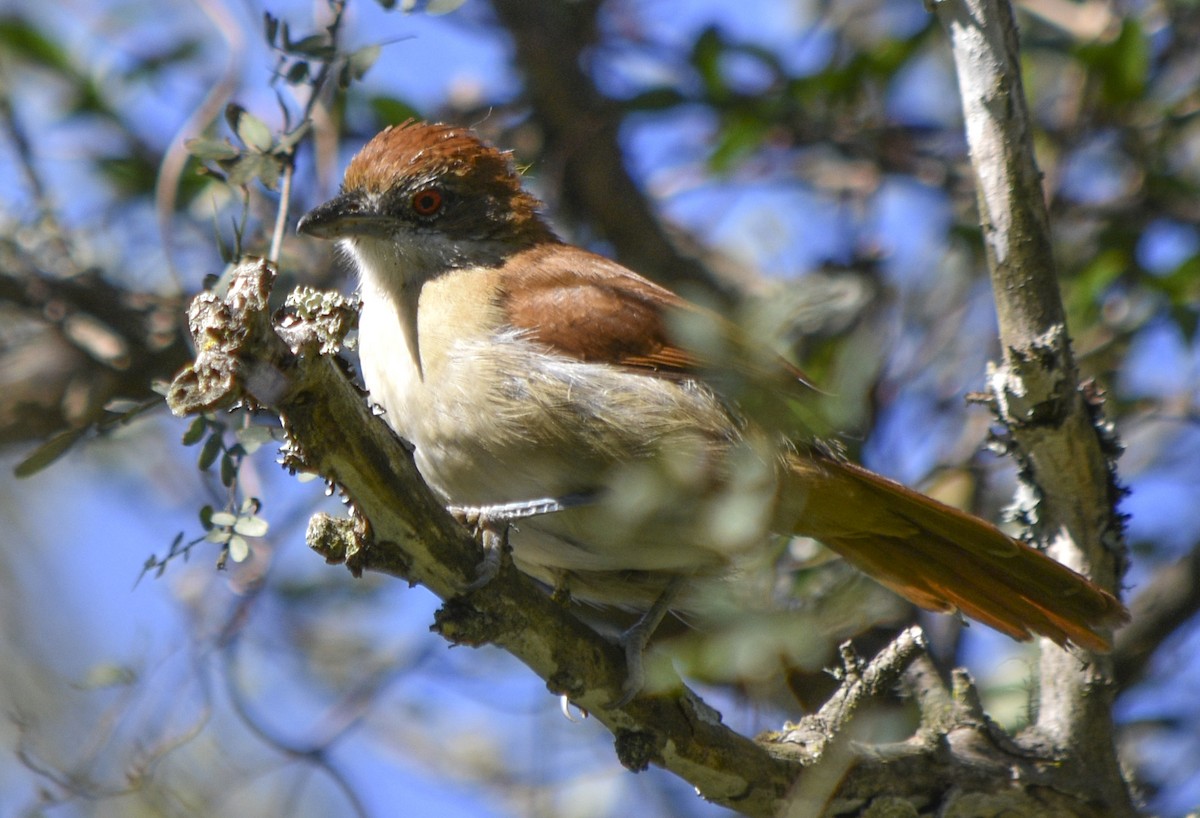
{"x":591,"y":308}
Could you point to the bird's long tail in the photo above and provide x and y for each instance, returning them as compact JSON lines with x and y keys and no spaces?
{"x":941,"y":558}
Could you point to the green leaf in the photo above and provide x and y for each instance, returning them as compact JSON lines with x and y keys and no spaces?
{"x":195,"y":432}
{"x":254,"y":166}
{"x":229,"y":470}
{"x":252,"y":438}
{"x":223,"y":519}
{"x":1122,"y":64}
{"x":131,"y":175}
{"x":706,"y":59}
{"x":270,"y":27}
{"x":20,"y":39}
{"x":48,"y":452}
{"x":208,"y":455}
{"x":251,"y":526}
{"x":206,"y":515}
{"x":436,"y":7}
{"x":211,"y":150}
{"x":298,"y":73}
{"x":359,"y":62}
{"x":739,"y":136}
{"x":239,"y":549}
{"x":656,"y":99}
{"x":314,"y":45}
{"x":390,"y":110}
{"x":254,"y":132}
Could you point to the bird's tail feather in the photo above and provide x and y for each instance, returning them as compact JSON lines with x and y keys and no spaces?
{"x":943,"y":559}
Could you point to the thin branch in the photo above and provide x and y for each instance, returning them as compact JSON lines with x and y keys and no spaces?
{"x":1161,"y":606}
{"x":166,"y":185}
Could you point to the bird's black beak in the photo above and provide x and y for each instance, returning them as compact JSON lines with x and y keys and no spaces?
{"x":346,"y":215}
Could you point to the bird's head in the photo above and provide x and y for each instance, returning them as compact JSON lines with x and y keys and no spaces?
{"x":426,"y":198}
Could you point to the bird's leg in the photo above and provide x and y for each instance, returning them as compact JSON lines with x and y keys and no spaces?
{"x":635,"y":639}
{"x":491,"y":525}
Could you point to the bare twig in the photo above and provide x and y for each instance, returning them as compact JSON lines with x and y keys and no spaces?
{"x":166,"y":185}
{"x":1169,"y":599}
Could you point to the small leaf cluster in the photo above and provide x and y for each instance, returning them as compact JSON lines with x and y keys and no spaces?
{"x":261,"y":155}
{"x":230,"y":529}
{"x":234,"y":525}
{"x":308,"y":58}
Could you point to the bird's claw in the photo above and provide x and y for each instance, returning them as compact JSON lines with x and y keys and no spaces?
{"x":491,"y":525}
{"x":491,"y":529}
{"x":637,"y":637}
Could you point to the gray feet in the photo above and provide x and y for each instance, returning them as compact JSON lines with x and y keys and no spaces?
{"x":491,"y":524}
{"x":635,"y":639}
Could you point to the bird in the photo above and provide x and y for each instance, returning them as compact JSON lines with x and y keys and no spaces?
{"x":552,"y":391}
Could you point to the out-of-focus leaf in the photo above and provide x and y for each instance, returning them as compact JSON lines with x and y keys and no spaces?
{"x":706,"y":59}
{"x":195,"y":432}
{"x":298,"y":73}
{"x":212,"y":150}
{"x":442,"y":6}
{"x":149,"y":66}
{"x":130,"y":175}
{"x":48,"y":452}
{"x":254,"y":132}
{"x":223,"y":518}
{"x":251,"y":526}
{"x":390,"y":110}
{"x":739,"y":136}
{"x":239,"y":549}
{"x":314,"y":45}
{"x":270,"y":27}
{"x":1122,"y":64}
{"x":20,"y":39}
{"x":656,"y":99}
{"x":360,"y":61}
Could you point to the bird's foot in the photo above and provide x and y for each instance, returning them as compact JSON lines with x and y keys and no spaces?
{"x":491,"y":525}
{"x":635,"y":640}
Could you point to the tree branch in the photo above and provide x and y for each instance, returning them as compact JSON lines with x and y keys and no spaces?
{"x":399,"y":528}
{"x":1053,"y":428}
{"x":71,"y":342}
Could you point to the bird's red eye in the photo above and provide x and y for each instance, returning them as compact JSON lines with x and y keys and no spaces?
{"x":426,"y":202}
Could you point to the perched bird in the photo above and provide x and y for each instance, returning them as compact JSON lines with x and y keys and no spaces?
{"x":543,"y":383}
